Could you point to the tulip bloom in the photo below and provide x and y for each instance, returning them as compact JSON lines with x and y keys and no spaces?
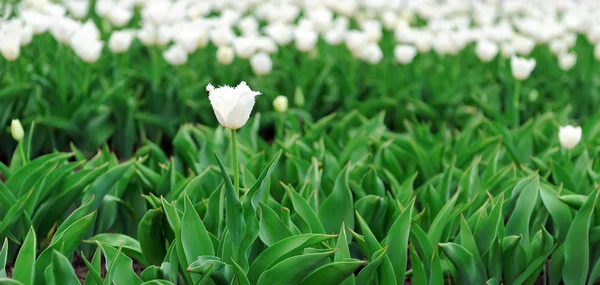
{"x":232,"y":106}
{"x":569,"y":136}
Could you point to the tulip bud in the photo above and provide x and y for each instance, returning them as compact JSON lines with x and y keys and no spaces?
{"x":232,"y":106}
{"x":486,"y":50}
{"x":120,"y":41}
{"x":261,"y":64}
{"x":10,"y":46}
{"x":225,"y":55}
{"x":175,"y":55}
{"x":280,"y":104}
{"x":569,"y":136}
{"x":567,"y":60}
{"x":521,"y":68}
{"x":405,"y":54}
{"x":16,"y":130}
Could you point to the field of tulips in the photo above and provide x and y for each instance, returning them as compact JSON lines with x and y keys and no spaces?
{"x":279,"y":142}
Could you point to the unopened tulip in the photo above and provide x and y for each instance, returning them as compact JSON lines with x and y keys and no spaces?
{"x":176,"y":55}
{"x":232,"y":106}
{"x":405,"y":54}
{"x":521,"y":67}
{"x":261,"y":63}
{"x":280,"y":104}
{"x":566,"y":61}
{"x":486,"y":50}
{"x":225,"y":55}
{"x":16,"y":130}
{"x":569,"y":136}
{"x":10,"y":46}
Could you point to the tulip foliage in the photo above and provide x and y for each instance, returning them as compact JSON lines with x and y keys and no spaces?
{"x":336,"y":201}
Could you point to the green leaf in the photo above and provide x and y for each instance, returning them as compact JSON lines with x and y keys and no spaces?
{"x":469,"y":271}
{"x":62,"y":270}
{"x":334,"y":273}
{"x":303,"y":209}
{"x":234,"y":212}
{"x":240,"y":275}
{"x":120,"y":265}
{"x":104,"y":183}
{"x":24,"y":265}
{"x":397,"y":241}
{"x":272,"y":228}
{"x":368,"y":273}
{"x":338,"y":207}
{"x":418,"y":271}
{"x":130,"y":246}
{"x":281,"y":250}
{"x":3,"y":258}
{"x":441,"y":221}
{"x":294,"y":269}
{"x":150,"y":236}
{"x":194,"y":236}
{"x":559,"y":211}
{"x":518,"y":223}
{"x":577,"y":253}
{"x":489,"y":230}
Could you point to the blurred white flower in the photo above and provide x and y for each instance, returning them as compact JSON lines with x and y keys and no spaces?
{"x":282,"y":34}
{"x":443,"y":44}
{"x":321,"y":18}
{"x":119,"y":16}
{"x":523,"y":45}
{"x":78,"y":8}
{"x":558,"y":46}
{"x":570,"y":39}
{"x":521,"y":67}
{"x":335,"y":36}
{"x":189,"y":37}
{"x":266,"y":44}
{"x":507,"y":50}
{"x":86,"y":44}
{"x":175,"y":55}
{"x":280,"y":104}
{"x":569,"y":136}
{"x":597,"y":52}
{"x":390,"y":19}
{"x":305,"y":39}
{"x":10,"y":46}
{"x":232,"y":106}
{"x":103,"y":8}
{"x":62,"y":29}
{"x":423,"y":41}
{"x":222,"y":36}
{"x":356,"y":41}
{"x":244,"y":47}
{"x":120,"y":41}
{"x":566,"y":61}
{"x":225,"y":55}
{"x":249,"y":26}
{"x":373,"y":30}
{"x":372,"y":53}
{"x":486,"y":50}
{"x":261,"y":64}
{"x":405,"y":54}
{"x":157,"y":12}
{"x":40,"y":23}
{"x":16,"y":130}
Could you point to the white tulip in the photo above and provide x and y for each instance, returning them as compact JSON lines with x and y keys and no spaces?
{"x":523,"y":45}
{"x":372,"y":53}
{"x":54,"y":10}
{"x":249,"y":26}
{"x":405,"y":54}
{"x":566,"y":61}
{"x":157,"y":12}
{"x":486,"y":50}
{"x":16,"y":130}
{"x":569,"y":136}
{"x":356,"y":41}
{"x":521,"y":67}
{"x":423,"y":41}
{"x":87,"y":48}
{"x":103,"y":8}
{"x":222,"y":36}
{"x":373,"y":30}
{"x":225,"y":55}
{"x":443,"y":44}
{"x":189,"y":37}
{"x":280,"y":104}
{"x":558,"y":46}
{"x":78,"y":8}
{"x":321,"y":18}
{"x":147,"y":34}
{"x":261,"y":64}
{"x":244,"y":47}
{"x":176,"y":55}
{"x":63,"y":29}
{"x":507,"y":50}
{"x":266,"y":44}
{"x":40,"y":23}
{"x":570,"y":39}
{"x":390,"y":19}
{"x":335,"y":36}
{"x":120,"y":16}
{"x":597,"y":52}
{"x":305,"y":39}
{"x":10,"y":46}
{"x":232,"y":106}
{"x":120,"y":41}
{"x":282,"y":34}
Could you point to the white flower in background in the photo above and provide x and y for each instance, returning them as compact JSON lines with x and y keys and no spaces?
{"x":16,"y":130}
{"x":558,"y":46}
{"x":266,"y":44}
{"x":356,"y":41}
{"x":569,"y":136}
{"x":372,"y":53}
{"x":282,"y":13}
{"x":521,"y":67}
{"x":443,"y":44}
{"x":245,"y":47}
{"x":40,"y":23}
{"x":225,"y":55}
{"x":103,"y":8}
{"x":249,"y":26}
{"x":229,"y":17}
{"x":120,"y":41}
{"x":335,"y":36}
{"x":305,"y":39}
{"x":20,"y":28}
{"x":10,"y":46}
{"x":507,"y":50}
{"x":403,"y":33}
{"x":175,"y":55}
{"x":373,"y":30}
{"x":486,"y":50}
{"x":35,"y":4}
{"x":523,"y":45}
{"x":390,"y":20}
{"x":321,"y":18}
{"x":597,"y":52}
{"x":157,"y":12}
{"x":147,"y":34}
{"x":280,"y":104}
{"x":305,"y":23}
{"x":570,"y":39}
{"x":566,"y":61}
{"x":54,"y":10}
{"x":282,"y":34}
{"x":119,"y":16}
{"x":62,"y":29}
{"x":423,"y":41}
{"x":189,"y":36}
{"x":78,"y":8}
{"x":405,"y":54}
{"x":86,"y":44}
{"x":593,"y":33}
{"x":222,"y":36}
{"x":261,"y":64}
{"x":232,"y":106}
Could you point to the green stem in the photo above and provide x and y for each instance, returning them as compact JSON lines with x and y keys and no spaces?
{"x":279,"y":131}
{"x":22,"y":153}
{"x":514,"y":115}
{"x":236,"y":170}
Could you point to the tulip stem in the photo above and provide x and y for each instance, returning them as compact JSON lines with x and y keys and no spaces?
{"x":236,"y":170}
{"x":514,"y":110}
